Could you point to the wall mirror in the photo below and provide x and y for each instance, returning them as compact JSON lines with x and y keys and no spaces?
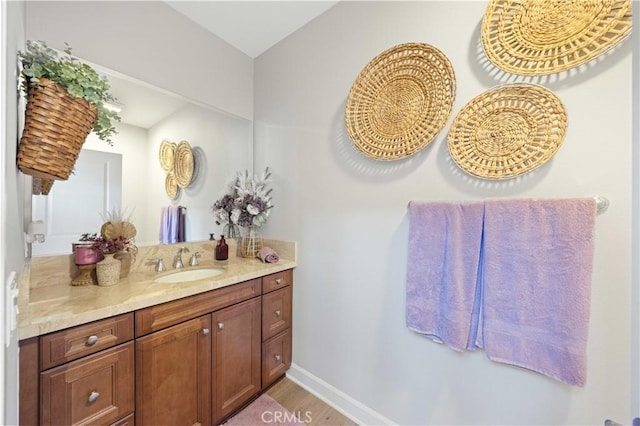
{"x":221,"y":142}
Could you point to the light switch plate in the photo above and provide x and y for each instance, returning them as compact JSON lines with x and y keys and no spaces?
{"x":11,"y":308}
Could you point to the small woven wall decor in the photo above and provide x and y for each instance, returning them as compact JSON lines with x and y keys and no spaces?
{"x":171,"y":186}
{"x":400,"y":101}
{"x":507,"y":131}
{"x":538,"y":37}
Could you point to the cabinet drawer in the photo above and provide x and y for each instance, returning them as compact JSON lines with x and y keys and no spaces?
{"x":277,"y":280}
{"x":97,"y":389}
{"x":276,"y":357}
{"x":276,"y":312}
{"x":67,"y":345}
{"x":161,"y":316}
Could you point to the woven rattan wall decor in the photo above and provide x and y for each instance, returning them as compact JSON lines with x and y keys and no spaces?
{"x":507,"y":131}
{"x":183,"y":164}
{"x":166,"y":155}
{"x":538,"y":37}
{"x":400,"y":101}
{"x":171,"y":186}
{"x":178,"y":162}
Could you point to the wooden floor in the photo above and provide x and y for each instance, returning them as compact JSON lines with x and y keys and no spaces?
{"x":301,"y":402}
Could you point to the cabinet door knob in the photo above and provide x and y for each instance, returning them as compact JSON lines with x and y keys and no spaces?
{"x":278,"y":281}
{"x":220,"y":325}
{"x":278,"y":357}
{"x":94,"y":395}
{"x":91,"y":340}
{"x":206,"y":331}
{"x":278,"y":313}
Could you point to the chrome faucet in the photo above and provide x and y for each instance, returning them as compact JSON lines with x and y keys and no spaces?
{"x":177,"y":261}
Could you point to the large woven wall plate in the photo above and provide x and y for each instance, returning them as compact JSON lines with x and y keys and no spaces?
{"x":183,"y":164}
{"x":166,"y":155}
{"x":538,"y":37}
{"x":507,"y":131}
{"x":400,"y":101}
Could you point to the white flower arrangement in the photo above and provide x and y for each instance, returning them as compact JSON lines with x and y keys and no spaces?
{"x":247,"y":201}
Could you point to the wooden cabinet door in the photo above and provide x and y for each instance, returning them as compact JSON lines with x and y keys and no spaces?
{"x":173,"y":375}
{"x":95,"y":390}
{"x":236,"y":356}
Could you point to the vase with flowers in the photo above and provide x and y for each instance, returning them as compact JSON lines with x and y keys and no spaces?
{"x":115,"y":245}
{"x":109,"y":268}
{"x":246,"y":204}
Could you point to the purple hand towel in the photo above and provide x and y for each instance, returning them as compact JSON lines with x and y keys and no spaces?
{"x":536,"y":289}
{"x":442,"y":270}
{"x":268,"y":255}
{"x":172,"y":212}
{"x":164,"y":226}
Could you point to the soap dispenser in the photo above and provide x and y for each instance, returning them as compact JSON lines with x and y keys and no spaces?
{"x":222,"y":249}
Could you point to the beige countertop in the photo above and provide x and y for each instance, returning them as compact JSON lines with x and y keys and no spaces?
{"x":47,"y":301}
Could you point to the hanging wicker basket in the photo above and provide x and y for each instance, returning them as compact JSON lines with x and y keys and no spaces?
{"x":56,"y":126}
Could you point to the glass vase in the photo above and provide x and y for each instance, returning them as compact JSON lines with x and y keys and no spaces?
{"x":231,"y":231}
{"x":251,"y":242}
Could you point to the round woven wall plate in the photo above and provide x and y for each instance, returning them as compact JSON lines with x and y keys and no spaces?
{"x":171,"y":186}
{"x":166,"y":153}
{"x":537,"y":37}
{"x":183,"y":164}
{"x":507,"y":131}
{"x":400,"y":101}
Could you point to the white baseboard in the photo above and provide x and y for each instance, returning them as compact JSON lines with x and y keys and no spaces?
{"x":348,"y":406}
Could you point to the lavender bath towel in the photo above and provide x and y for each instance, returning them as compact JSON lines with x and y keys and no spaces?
{"x":536,"y":283}
{"x":442,"y":269}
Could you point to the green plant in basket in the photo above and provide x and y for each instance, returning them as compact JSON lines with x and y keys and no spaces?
{"x":79,"y":79}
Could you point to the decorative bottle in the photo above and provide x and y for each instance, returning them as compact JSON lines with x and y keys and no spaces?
{"x":222,"y":249}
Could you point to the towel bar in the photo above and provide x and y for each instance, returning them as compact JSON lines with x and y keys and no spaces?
{"x":602,"y":203}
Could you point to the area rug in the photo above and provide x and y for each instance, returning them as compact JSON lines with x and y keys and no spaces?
{"x":265,"y":411}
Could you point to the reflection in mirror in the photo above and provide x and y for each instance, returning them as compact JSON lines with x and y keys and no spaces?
{"x":222,"y":145}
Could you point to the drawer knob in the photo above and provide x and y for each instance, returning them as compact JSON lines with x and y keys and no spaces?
{"x":206,"y":331}
{"x":278,"y":357}
{"x":278,"y":281}
{"x":220,"y":325}
{"x":278,"y":313}
{"x":91,"y":340}
{"x":94,"y":395}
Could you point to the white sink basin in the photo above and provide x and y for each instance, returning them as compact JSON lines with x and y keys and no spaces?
{"x":189,"y":275}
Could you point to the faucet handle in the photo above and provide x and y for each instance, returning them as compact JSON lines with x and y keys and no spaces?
{"x":159,"y":264}
{"x":194,"y":258}
{"x":183,"y":250}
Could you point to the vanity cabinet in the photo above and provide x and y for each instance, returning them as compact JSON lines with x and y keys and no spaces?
{"x":191,"y":361}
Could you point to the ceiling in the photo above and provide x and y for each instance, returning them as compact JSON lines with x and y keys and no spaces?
{"x":250,"y":26}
